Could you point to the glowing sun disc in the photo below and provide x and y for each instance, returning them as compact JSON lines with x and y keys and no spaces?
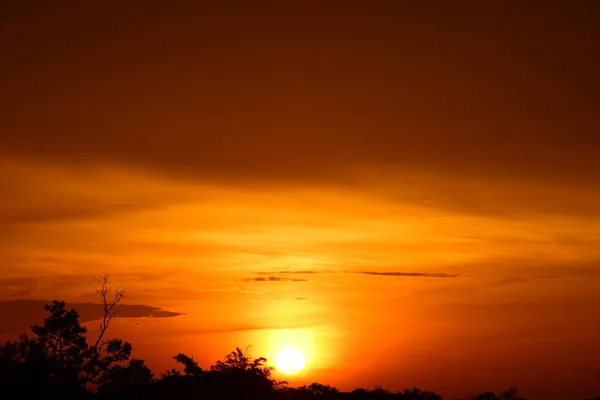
{"x":290,"y":361}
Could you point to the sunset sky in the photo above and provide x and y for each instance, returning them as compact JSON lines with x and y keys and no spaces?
{"x":406,"y":191}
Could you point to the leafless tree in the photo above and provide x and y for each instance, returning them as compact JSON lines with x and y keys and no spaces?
{"x":110,"y":300}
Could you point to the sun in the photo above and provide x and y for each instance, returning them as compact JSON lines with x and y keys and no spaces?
{"x":290,"y":361}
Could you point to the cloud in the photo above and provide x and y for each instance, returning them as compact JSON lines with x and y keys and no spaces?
{"x":372,"y":273}
{"x":273,"y":279}
{"x":408,"y":274}
{"x":19,"y":315}
{"x":508,"y":280}
{"x":299,"y":272}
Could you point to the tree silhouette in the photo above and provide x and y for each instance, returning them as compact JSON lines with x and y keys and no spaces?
{"x":239,"y":361}
{"x":317,"y":390}
{"x":418,"y":394}
{"x":508,"y":394}
{"x":135,"y":372}
{"x":61,"y":333}
{"x":381,"y":393}
{"x":57,"y":355}
{"x":109,"y":303}
{"x":486,"y":396}
{"x":56,"y":362}
{"x":242,"y":370}
{"x":190,"y":367}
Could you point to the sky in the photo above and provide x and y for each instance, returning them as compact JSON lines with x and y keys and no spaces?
{"x":406,"y":191}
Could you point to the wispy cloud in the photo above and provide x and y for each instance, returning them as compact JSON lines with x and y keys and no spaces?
{"x":371,"y":273}
{"x":288,"y":272}
{"x":273,"y":279}
{"x":408,"y":274}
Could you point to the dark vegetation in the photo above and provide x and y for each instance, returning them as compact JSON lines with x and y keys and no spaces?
{"x":59,"y":361}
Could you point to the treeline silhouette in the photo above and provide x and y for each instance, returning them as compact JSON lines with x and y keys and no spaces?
{"x":55,"y":361}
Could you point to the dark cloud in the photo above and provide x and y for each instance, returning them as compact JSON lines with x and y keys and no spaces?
{"x":529,"y":269}
{"x":19,"y":315}
{"x":299,"y":272}
{"x":273,"y":279}
{"x":372,"y":273}
{"x":408,"y":274}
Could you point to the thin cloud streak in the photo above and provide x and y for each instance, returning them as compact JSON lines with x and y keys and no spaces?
{"x":409,"y":274}
{"x":273,"y":279}
{"x":371,"y":273}
{"x":300,"y":272}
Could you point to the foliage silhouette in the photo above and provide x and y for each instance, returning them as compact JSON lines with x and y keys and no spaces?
{"x":58,"y":358}
{"x":191,"y":367}
{"x":418,"y":394}
{"x":239,"y":361}
{"x":56,"y":362}
{"x":508,"y":394}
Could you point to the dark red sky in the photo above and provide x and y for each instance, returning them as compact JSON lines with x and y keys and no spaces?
{"x":469,"y":89}
{"x":211,"y":141}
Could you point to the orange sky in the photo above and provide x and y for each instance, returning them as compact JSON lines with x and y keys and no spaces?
{"x":408,"y":194}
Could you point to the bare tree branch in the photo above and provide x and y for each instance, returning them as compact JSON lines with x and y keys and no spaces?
{"x":109,"y":303}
